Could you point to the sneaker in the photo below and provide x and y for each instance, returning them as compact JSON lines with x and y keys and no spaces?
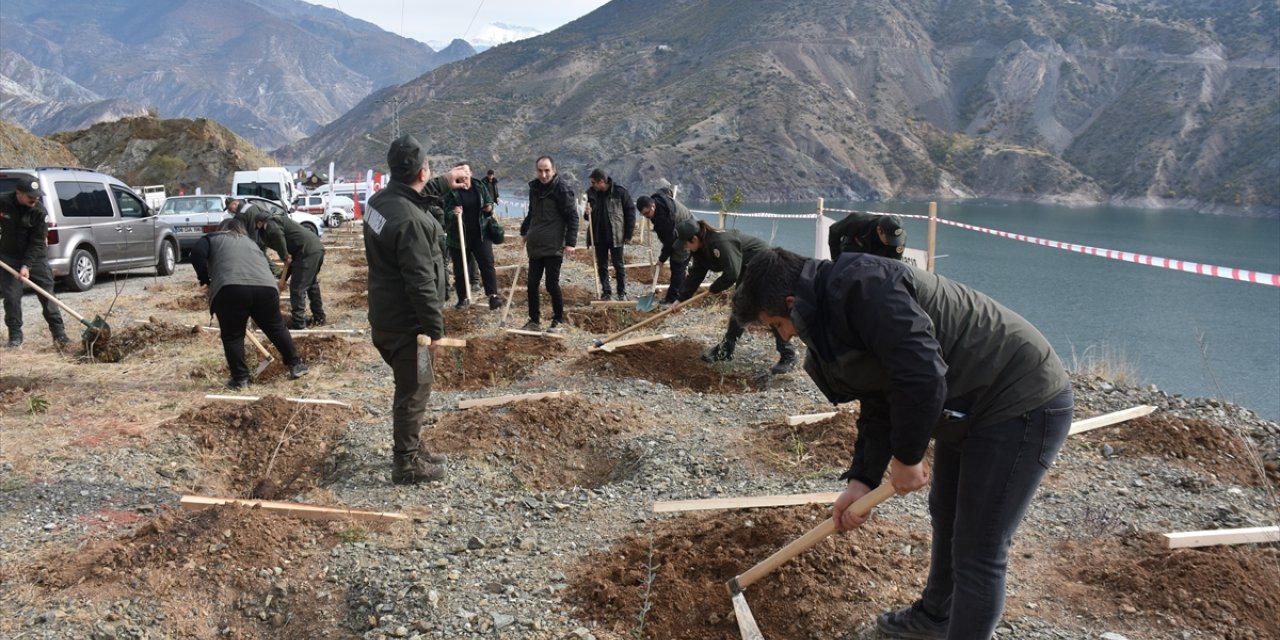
{"x":621,"y":297}
{"x":718,"y":353}
{"x":414,"y":469}
{"x":785,"y":364}
{"x":236,"y":384}
{"x":911,"y":623}
{"x":297,"y":370}
{"x":462,"y":304}
{"x":556,"y":327}
{"x":495,"y":301}
{"x":316,"y":321}
{"x":532,"y":325}
{"x":61,"y":340}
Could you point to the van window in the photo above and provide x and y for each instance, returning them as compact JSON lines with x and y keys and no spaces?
{"x":130,"y":205}
{"x":262,"y":190}
{"x":83,"y":200}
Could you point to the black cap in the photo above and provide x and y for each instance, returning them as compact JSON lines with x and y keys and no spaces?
{"x":30,"y":187}
{"x":405,"y":156}
{"x":894,"y":234}
{"x":686,"y":230}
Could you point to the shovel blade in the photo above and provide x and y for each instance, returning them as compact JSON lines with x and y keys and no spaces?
{"x":746,"y":622}
{"x":647,"y":303}
{"x":262,"y":366}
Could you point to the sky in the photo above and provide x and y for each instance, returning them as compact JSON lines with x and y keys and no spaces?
{"x":438,"y":23}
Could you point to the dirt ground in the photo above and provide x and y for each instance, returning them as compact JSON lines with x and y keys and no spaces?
{"x":804,"y":448}
{"x":492,"y":361}
{"x":1197,"y":444}
{"x":675,"y":362}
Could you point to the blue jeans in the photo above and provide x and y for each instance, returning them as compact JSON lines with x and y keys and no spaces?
{"x":982,"y":486}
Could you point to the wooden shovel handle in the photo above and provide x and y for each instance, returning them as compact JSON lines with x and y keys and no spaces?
{"x":42,"y":292}
{"x":258,"y":343}
{"x":426,"y":341}
{"x":654,"y":318}
{"x":815,"y":535}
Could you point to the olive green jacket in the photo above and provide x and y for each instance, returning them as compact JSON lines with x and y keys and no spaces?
{"x":402,"y":243}
{"x":727,"y":252}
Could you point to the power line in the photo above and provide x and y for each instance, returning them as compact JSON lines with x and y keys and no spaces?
{"x":473,"y":20}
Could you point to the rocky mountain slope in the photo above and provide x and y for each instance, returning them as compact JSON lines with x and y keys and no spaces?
{"x":179,"y":152}
{"x":1166,"y":102}
{"x":271,"y":70}
{"x":19,"y":148}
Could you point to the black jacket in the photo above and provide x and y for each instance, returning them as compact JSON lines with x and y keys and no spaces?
{"x":404,"y":245}
{"x":906,"y":343}
{"x":613,"y":215}
{"x":552,"y":222}
{"x":24,"y":232}
{"x":667,"y":213}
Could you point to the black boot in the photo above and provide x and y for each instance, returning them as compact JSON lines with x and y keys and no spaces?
{"x":15,"y":339}
{"x":785,"y":363}
{"x":719,"y":353}
{"x":411,"y":468}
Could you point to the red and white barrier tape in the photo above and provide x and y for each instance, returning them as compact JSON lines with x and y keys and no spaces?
{"x":789,"y":216}
{"x":1229,"y":273}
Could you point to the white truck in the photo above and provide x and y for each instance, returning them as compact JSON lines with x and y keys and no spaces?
{"x":272,"y":183}
{"x":152,"y":194}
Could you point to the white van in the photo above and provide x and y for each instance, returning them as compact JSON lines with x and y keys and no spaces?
{"x":272,"y":183}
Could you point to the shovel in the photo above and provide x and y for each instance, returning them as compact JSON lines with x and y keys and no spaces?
{"x":424,"y":356}
{"x":267,"y":358}
{"x":646,"y":303}
{"x":654,"y":317}
{"x":96,"y":331}
{"x":741,"y":610}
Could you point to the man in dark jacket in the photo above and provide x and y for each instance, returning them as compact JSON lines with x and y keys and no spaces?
{"x":880,"y":235}
{"x":727,"y":251}
{"x":550,"y":230}
{"x":474,"y":204}
{"x":23,"y":246}
{"x":926,"y":357}
{"x":491,"y":183}
{"x":611,"y":229}
{"x":664,"y":213}
{"x":238,"y":284}
{"x":402,"y":243}
{"x":303,"y":255}
{"x":247,"y":214}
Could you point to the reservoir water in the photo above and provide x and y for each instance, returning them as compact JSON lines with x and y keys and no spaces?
{"x":1189,"y":334}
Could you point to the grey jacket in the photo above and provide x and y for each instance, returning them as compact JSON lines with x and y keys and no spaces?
{"x":223,"y":258}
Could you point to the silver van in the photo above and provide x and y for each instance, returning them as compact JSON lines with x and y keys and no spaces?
{"x":97,"y":224}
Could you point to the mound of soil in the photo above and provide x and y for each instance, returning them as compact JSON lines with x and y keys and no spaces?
{"x":123,"y":343}
{"x":270,"y":449}
{"x":231,"y":572}
{"x":806,"y":448}
{"x":314,"y":350}
{"x":607,"y":319}
{"x":1230,"y":592}
{"x":490,"y":361}
{"x":13,"y":389}
{"x":676,"y":363}
{"x":684,"y":563}
{"x":186,"y":302}
{"x":1200,"y":445}
{"x":467,"y":320}
{"x":545,"y":444}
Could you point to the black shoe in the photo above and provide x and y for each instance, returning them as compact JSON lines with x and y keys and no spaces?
{"x":785,"y":364}
{"x":911,"y":623}
{"x":532,"y":325}
{"x":236,"y":384}
{"x":606,"y":295}
{"x":14,"y":342}
{"x":297,"y":371}
{"x":462,"y":304}
{"x":556,"y":327}
{"x":718,"y":353}
{"x":495,"y":301}
{"x":414,"y":469}
{"x":315,"y":321}
{"x":621,"y":297}
{"x":61,"y":340}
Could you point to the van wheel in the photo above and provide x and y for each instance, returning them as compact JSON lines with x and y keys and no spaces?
{"x":84,"y":270}
{"x":168,"y":259}
{"x":336,"y":220}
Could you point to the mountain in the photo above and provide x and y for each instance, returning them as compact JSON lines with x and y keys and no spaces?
{"x":271,"y":70}
{"x":178,"y":152}
{"x":1161,"y":102}
{"x":20,"y":148}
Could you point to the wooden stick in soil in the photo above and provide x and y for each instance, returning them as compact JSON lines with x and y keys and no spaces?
{"x":462,"y":251}
{"x":292,"y":509}
{"x":501,"y":400}
{"x":655,"y":317}
{"x":510,"y":296}
{"x":1215,"y":537}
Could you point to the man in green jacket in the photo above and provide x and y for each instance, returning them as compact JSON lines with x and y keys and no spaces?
{"x":23,"y":246}
{"x":402,"y":244}
{"x":880,"y":235}
{"x":303,"y":255}
{"x":926,"y":358}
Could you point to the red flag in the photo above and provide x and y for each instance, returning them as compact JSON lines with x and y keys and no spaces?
{"x":355,"y":195}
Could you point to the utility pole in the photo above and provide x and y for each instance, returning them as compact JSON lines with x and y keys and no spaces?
{"x":395,"y":115}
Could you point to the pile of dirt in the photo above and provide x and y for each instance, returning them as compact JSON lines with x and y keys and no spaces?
{"x":676,"y":363}
{"x":122,"y":343}
{"x":1229,"y":592}
{"x":605,"y":320}
{"x":469,"y":319}
{"x":313,"y":349}
{"x":186,"y":302}
{"x":545,"y":444}
{"x":1203,"y":446}
{"x":231,"y":572}
{"x":270,"y":449}
{"x":676,"y":576}
{"x":14,"y":389}
{"x":492,"y":361}
{"x":823,"y":446}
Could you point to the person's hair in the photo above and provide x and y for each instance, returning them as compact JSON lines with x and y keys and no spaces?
{"x":232,"y":225}
{"x":462,"y":163}
{"x":547,"y":158}
{"x":644,"y":202}
{"x":489,"y":172}
{"x":410,"y":176}
{"x":598,"y":175}
{"x":766,"y":282}
{"x":704,"y":231}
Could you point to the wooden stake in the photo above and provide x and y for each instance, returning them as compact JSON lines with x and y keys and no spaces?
{"x":809,"y":418}
{"x":291,"y":509}
{"x":613,"y":303}
{"x":544,"y":334}
{"x":749,"y":502}
{"x":608,"y":348}
{"x":1108,"y":419}
{"x":501,"y":400}
{"x":506,"y":308}
{"x":1217,"y":537}
{"x":221,"y":398}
